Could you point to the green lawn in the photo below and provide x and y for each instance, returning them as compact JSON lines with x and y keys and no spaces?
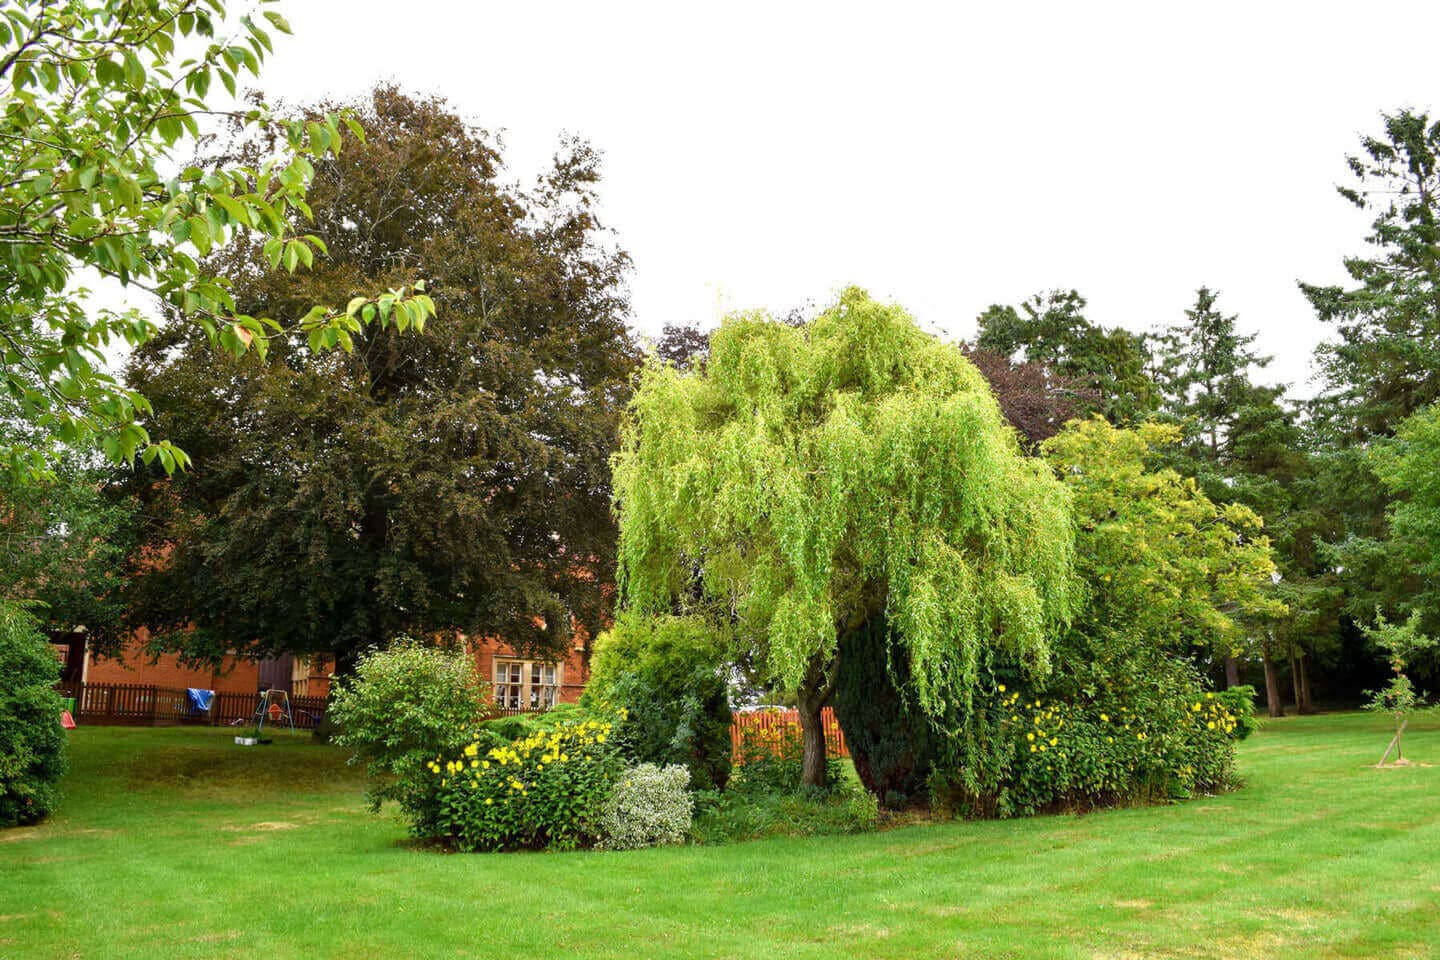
{"x":176,"y":843}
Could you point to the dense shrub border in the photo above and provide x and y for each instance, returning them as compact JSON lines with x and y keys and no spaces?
{"x":32,"y":742}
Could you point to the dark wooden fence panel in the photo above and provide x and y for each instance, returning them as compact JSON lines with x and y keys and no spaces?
{"x":139,"y":704}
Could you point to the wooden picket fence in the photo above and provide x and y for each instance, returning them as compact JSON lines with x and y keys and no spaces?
{"x":148,"y":705}
{"x":776,"y":730}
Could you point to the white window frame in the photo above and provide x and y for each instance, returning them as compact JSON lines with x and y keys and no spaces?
{"x":526,"y":685}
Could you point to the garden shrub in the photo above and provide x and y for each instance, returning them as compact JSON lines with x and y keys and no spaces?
{"x":404,"y":706}
{"x":543,"y":791}
{"x":1156,"y":738}
{"x":649,"y":806}
{"x":889,"y":737}
{"x":668,"y":674}
{"x":32,"y":742}
{"x":751,"y":812}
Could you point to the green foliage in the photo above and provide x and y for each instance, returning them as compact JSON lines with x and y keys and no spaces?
{"x":1146,"y":739}
{"x":1409,"y":466}
{"x":1109,"y":364}
{"x":666,"y":678}
{"x":434,"y":485}
{"x":102,"y":99}
{"x":809,"y":477}
{"x":889,"y":738}
{"x":751,"y":811}
{"x":1380,"y":369}
{"x":63,"y":543}
{"x":544,"y":791}
{"x":1165,"y":567}
{"x":1400,"y":644}
{"x":404,"y":706}
{"x":1240,"y":701}
{"x":649,"y":806}
{"x":32,"y":742}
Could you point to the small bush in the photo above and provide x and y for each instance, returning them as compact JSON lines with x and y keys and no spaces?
{"x":750,"y":813}
{"x":546,"y":790}
{"x":404,"y":706}
{"x":32,"y":742}
{"x":668,"y":674}
{"x":649,"y":806}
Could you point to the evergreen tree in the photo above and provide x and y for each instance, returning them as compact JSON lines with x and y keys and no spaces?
{"x":1051,"y":329}
{"x":1381,"y":367}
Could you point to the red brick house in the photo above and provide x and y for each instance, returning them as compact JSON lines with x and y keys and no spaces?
{"x":518,"y":682}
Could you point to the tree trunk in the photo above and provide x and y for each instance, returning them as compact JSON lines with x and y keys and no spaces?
{"x":1295,"y":682}
{"x":1272,"y":686}
{"x":810,"y":699}
{"x":1307,"y":705}
{"x":1232,"y":672}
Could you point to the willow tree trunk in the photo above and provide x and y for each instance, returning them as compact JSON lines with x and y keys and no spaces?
{"x":810,"y":700}
{"x":1272,"y":686}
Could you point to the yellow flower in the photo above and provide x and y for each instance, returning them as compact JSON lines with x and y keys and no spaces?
{"x":473,"y":749}
{"x":1104,"y":718}
{"x":600,"y":738}
{"x":489,"y":801}
{"x":1002,"y":688}
{"x":1029,"y":736}
{"x":1053,"y":741}
{"x":1032,"y":748}
{"x":564,"y":757}
{"x":485,"y":765}
{"x":1210,"y":725}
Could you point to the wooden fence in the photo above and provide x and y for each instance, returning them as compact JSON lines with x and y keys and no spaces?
{"x":147,"y":705}
{"x":775,"y":730}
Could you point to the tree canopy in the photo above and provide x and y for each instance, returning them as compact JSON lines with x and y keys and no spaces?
{"x":101,"y":96}
{"x":1051,"y":329}
{"x":453,"y":481}
{"x":810,"y":478}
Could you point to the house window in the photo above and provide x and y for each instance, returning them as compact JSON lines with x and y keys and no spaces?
{"x":526,"y":684}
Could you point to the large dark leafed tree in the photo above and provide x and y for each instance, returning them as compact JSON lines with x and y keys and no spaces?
{"x":453,"y":481}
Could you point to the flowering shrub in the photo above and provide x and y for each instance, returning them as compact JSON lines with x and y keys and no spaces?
{"x":649,"y":806}
{"x":1037,"y":753}
{"x":545,"y":790}
{"x":404,"y":705}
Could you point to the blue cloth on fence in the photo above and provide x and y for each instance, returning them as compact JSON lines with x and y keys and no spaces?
{"x":200,"y":700}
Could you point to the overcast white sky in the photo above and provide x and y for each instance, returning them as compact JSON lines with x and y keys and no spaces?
{"x":946,"y":156}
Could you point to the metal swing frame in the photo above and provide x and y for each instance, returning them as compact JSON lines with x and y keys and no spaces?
{"x":275,"y":697}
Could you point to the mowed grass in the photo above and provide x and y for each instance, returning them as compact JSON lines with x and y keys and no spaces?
{"x":176,"y":843}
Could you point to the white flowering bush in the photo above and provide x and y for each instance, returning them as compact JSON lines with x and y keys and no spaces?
{"x":649,"y":806}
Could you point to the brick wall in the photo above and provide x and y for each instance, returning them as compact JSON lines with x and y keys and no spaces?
{"x":133,"y":665}
{"x":573,"y":672}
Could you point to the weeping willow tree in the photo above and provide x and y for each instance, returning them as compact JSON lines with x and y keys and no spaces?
{"x":805,"y":480}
